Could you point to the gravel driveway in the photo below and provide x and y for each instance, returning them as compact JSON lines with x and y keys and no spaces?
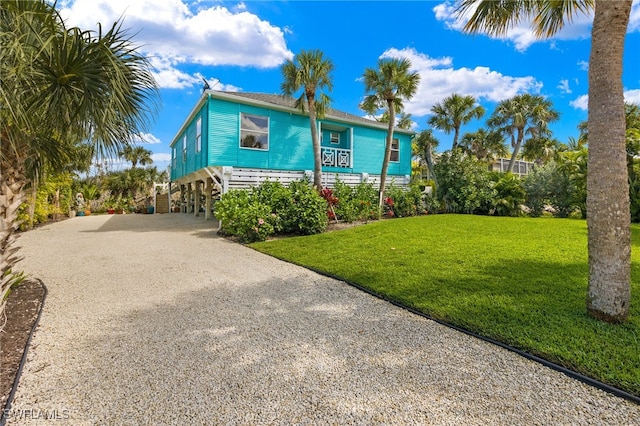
{"x":153,"y":319}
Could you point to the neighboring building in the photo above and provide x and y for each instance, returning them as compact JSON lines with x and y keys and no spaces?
{"x":238,"y":140}
{"x":520,"y":167}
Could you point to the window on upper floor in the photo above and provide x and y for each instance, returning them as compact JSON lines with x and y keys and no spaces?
{"x":395,"y":151}
{"x":184,"y":148}
{"x":175,"y":157}
{"x":199,"y":135}
{"x":254,"y":131}
{"x":334,"y":138}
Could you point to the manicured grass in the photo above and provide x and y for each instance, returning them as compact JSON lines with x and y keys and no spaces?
{"x":517,"y":280}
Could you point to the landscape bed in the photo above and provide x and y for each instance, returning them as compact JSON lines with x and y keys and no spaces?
{"x":520,"y":281}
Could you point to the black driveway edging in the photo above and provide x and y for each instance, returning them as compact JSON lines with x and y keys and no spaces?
{"x":6,"y":410}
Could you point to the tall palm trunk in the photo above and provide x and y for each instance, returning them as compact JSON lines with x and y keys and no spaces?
{"x":12,"y":180}
{"x":608,"y":215}
{"x":429,"y":160}
{"x":315,"y":140}
{"x":387,"y":150}
{"x":456,"y":135}
{"x":516,"y":149}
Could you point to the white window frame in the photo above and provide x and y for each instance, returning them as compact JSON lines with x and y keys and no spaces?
{"x":199,"y":134}
{"x":260,"y":132}
{"x":175,"y":156}
{"x":337,"y":139}
{"x":395,"y":150}
{"x":184,"y":149}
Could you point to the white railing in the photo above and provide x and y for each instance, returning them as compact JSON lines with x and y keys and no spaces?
{"x":335,"y":157}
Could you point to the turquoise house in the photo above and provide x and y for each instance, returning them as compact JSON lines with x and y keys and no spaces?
{"x":238,"y":140}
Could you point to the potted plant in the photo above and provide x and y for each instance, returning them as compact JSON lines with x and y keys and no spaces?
{"x":121,"y":205}
{"x":109,"y":205}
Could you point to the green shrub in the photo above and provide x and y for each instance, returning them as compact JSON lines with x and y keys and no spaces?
{"x":431,"y":204}
{"x":244,"y":216}
{"x":307,"y":213}
{"x":509,"y":195}
{"x":278,"y":197}
{"x":403,"y":203}
{"x":272,"y":208}
{"x":536,"y":186}
{"x":355,"y":203}
{"x":464,"y":185}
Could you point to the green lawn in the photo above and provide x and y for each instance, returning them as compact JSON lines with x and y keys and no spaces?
{"x":517,"y":280}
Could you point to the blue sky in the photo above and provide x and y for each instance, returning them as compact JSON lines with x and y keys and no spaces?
{"x":240,"y":46}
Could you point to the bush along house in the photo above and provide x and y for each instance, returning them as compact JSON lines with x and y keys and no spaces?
{"x":234,"y":140}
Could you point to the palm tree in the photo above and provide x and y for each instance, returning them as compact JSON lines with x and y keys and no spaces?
{"x":388,"y":86}
{"x":541,"y":148}
{"x":423,"y":147}
{"x":404,"y":120}
{"x":136,"y":155}
{"x":521,"y":115}
{"x":484,"y":145}
{"x":311,"y":72}
{"x":453,"y":112}
{"x":60,"y":86}
{"x":608,"y":210}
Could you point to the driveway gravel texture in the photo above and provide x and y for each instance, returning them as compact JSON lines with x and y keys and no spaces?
{"x":154,"y":319}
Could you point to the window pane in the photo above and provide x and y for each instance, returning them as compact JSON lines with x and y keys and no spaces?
{"x":254,"y":140}
{"x":255,"y":123}
{"x":395,"y":150}
{"x":254,"y":131}
{"x":335,"y":138}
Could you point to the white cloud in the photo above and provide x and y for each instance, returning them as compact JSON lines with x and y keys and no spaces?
{"x":582,"y":102}
{"x":634,"y":18}
{"x":146,"y":138}
{"x":439,"y":79}
{"x":584,"y":65}
{"x":161,"y":157}
{"x":521,"y":35}
{"x":564,"y":86}
{"x":172,"y":34}
{"x":632,"y":96}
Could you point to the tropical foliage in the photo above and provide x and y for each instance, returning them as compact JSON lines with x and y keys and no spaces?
{"x":454,"y":111}
{"x":464,"y":183}
{"x":608,"y":207}
{"x":387,"y":86}
{"x":522,"y":115}
{"x":309,"y":73}
{"x":60,"y":86}
{"x":484,"y":145}
{"x":272,"y":208}
{"x":423,"y":147}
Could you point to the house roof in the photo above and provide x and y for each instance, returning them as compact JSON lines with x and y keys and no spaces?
{"x":280,"y":102}
{"x":289,"y":103}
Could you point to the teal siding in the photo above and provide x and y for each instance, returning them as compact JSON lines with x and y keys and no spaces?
{"x":344,"y":139}
{"x":290,"y":146}
{"x":224,"y":139}
{"x":369,"y":145}
{"x":289,"y":139}
{"x":194,"y":160}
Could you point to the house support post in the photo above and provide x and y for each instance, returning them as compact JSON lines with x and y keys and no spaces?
{"x":196,"y":204}
{"x":182,"y":195}
{"x":207,"y":193}
{"x":189,"y":198}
